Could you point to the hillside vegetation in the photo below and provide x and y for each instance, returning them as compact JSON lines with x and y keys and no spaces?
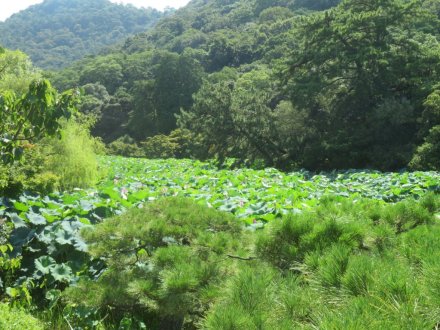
{"x":232,"y":238}
{"x":55,"y":33}
{"x":304,"y":84}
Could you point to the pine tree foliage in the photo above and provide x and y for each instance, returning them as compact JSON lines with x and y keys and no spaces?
{"x":165,"y":262}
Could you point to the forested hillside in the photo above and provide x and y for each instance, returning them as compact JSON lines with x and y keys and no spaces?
{"x":283,"y":83}
{"x":57,"y":32}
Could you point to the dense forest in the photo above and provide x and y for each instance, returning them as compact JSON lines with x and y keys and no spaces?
{"x":57,"y":32}
{"x":241,"y":164}
{"x":299,"y":84}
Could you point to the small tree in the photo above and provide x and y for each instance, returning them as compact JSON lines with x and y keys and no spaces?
{"x":165,"y":263}
{"x":31,"y":117}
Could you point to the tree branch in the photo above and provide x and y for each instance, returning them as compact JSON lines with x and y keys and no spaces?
{"x":241,"y":258}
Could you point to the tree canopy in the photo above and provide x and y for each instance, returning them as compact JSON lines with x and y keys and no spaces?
{"x":57,"y":32}
{"x":30,"y":107}
{"x":319,"y":85}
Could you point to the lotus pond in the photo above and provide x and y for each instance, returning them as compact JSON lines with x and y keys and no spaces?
{"x":53,"y":255}
{"x":252,"y":195}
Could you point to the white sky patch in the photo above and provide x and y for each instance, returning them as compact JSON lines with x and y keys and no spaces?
{"x":9,"y":7}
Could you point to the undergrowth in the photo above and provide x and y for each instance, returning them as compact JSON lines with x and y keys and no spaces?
{"x":15,"y":319}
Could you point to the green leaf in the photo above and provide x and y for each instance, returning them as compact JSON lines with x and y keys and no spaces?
{"x":13,"y":292}
{"x":21,"y":207}
{"x":17,"y":221}
{"x":62,"y":273}
{"x":44,"y":264}
{"x":53,"y":296}
{"x":36,"y":219}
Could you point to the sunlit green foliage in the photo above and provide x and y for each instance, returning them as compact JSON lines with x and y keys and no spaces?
{"x":72,"y":157}
{"x":344,"y":265}
{"x":291,"y":103}
{"x":30,"y":174}
{"x":16,"y":72}
{"x":29,"y":106}
{"x":314,"y":248}
{"x":15,"y":319}
{"x":165,"y":263}
{"x":125,"y":146}
{"x":182,"y":244}
{"x":30,"y":117}
{"x":427,"y":156}
{"x":364,"y":103}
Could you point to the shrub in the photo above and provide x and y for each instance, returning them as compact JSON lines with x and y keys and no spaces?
{"x":427,"y":156}
{"x":54,"y":163}
{"x":180,"y":143}
{"x":29,"y":174}
{"x":362,"y":261}
{"x":165,"y":262}
{"x":72,"y":157}
{"x":10,"y":266}
{"x":258,"y":297}
{"x":160,"y":146}
{"x":43,"y":183}
{"x":288,"y":241}
{"x":248,"y":301}
{"x":125,"y":146}
{"x":357,"y":279}
{"x":406,"y":215}
{"x":12,"y":180}
{"x":346,"y":264}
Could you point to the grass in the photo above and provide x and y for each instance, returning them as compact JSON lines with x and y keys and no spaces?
{"x":16,"y":319}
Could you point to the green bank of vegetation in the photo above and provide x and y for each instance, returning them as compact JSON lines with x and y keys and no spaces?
{"x":176,"y":264}
{"x":232,"y":238}
{"x":56,"y":33}
{"x":179,"y":244}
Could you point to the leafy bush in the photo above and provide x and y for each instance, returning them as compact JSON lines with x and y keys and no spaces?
{"x":125,"y":146}
{"x":43,"y":183}
{"x":9,"y":266}
{"x":427,"y":156}
{"x":260,"y":298}
{"x":11,"y":180}
{"x":29,"y":174}
{"x":165,"y":263}
{"x":180,"y":143}
{"x":72,"y":157}
{"x":54,"y":163}
{"x":337,"y":262}
{"x":160,"y":146}
{"x":287,"y":242}
{"x":14,"y":319}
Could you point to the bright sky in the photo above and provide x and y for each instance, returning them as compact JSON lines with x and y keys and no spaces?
{"x":9,"y":7}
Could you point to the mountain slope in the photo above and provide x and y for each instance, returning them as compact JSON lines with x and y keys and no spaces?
{"x":57,"y":32}
{"x":276,"y":83}
{"x":155,"y":73}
